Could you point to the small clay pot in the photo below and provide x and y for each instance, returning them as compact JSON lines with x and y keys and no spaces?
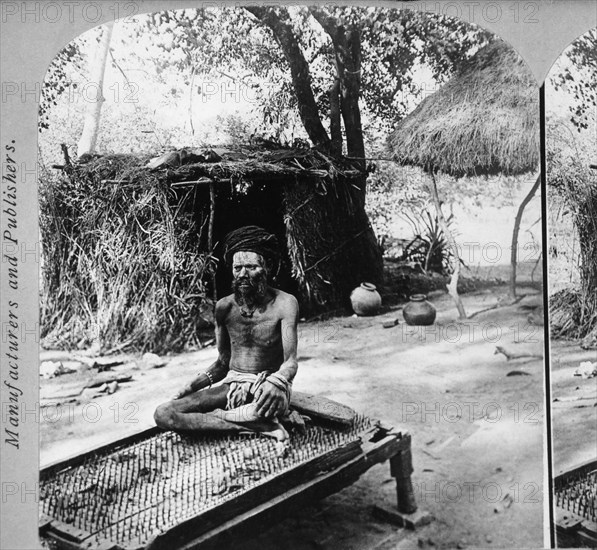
{"x":365,"y":299}
{"x":419,"y":311}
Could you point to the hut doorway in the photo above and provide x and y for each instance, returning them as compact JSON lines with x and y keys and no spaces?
{"x":255,"y":204}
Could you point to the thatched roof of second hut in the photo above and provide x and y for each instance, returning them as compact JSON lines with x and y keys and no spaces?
{"x":484,"y":121}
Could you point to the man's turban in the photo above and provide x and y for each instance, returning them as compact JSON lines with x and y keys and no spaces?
{"x":251,"y":238}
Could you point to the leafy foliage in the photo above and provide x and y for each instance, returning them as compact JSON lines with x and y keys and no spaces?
{"x":57,"y":79}
{"x":235,"y":127}
{"x":393,"y":190}
{"x":393,"y":43}
{"x":579,"y":77}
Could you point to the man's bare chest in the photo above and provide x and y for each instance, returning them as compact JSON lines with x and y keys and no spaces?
{"x":261,"y":332}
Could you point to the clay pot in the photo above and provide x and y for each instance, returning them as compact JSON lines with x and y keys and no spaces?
{"x":419,"y":311}
{"x":365,"y":299}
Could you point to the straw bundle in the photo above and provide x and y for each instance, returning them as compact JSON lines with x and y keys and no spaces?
{"x":574,"y":311}
{"x":121,"y":267}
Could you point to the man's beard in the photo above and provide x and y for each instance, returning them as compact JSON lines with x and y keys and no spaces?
{"x":252,"y":293}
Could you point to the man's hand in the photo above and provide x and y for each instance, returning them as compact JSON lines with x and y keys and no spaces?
{"x":271,"y":400}
{"x":185,"y":391}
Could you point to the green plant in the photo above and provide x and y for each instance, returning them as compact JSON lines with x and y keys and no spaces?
{"x":429,"y":248}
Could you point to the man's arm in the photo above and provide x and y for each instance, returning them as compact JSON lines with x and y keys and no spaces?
{"x":289,"y":328}
{"x":271,"y":400}
{"x":216,"y":371}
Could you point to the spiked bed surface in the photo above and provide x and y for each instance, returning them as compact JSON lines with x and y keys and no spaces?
{"x":129,"y":496}
{"x":576,"y":506}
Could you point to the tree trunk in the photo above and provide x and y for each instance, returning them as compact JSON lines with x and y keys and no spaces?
{"x":347,"y":50}
{"x":518,"y":219}
{"x":335,"y":121}
{"x":348,"y":60}
{"x":453,"y":284}
{"x":281,"y":26}
{"x":191,"y":95}
{"x":93,"y":111}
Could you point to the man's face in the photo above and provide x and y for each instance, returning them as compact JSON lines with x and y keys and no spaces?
{"x":249,"y":272}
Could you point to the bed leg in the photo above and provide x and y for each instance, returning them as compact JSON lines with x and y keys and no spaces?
{"x":406,"y":514}
{"x":401,"y":469}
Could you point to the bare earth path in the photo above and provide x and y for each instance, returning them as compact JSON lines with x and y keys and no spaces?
{"x":478,"y":434}
{"x":574,"y":407}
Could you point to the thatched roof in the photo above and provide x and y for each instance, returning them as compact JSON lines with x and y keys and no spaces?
{"x":484,"y":121}
{"x":189,"y":167}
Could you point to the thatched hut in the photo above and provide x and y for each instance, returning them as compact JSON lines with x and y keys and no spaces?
{"x":484,"y":121}
{"x":131,"y":247}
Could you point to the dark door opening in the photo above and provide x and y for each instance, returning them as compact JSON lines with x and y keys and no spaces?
{"x":258,"y":204}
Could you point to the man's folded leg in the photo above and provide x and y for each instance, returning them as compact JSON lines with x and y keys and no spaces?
{"x":195,"y":412}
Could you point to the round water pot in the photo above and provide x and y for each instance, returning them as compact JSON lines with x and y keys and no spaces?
{"x":365,"y":299}
{"x":419,"y":311}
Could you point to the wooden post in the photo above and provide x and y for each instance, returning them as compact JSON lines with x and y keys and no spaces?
{"x":401,"y":468}
{"x":453,"y":284}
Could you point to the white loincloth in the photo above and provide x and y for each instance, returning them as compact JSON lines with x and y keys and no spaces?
{"x":241,"y":407}
{"x":244,"y":385}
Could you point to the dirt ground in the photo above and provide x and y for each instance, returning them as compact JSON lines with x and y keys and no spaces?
{"x":477,"y":422}
{"x":574,"y":406}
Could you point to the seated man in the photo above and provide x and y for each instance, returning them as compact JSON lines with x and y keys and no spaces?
{"x":256,"y":338}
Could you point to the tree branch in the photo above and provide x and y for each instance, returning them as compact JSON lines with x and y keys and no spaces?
{"x":328,"y":23}
{"x":279,"y":24}
{"x":514,"y":249}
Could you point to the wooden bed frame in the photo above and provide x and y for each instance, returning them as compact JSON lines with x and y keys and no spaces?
{"x":292,"y":489}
